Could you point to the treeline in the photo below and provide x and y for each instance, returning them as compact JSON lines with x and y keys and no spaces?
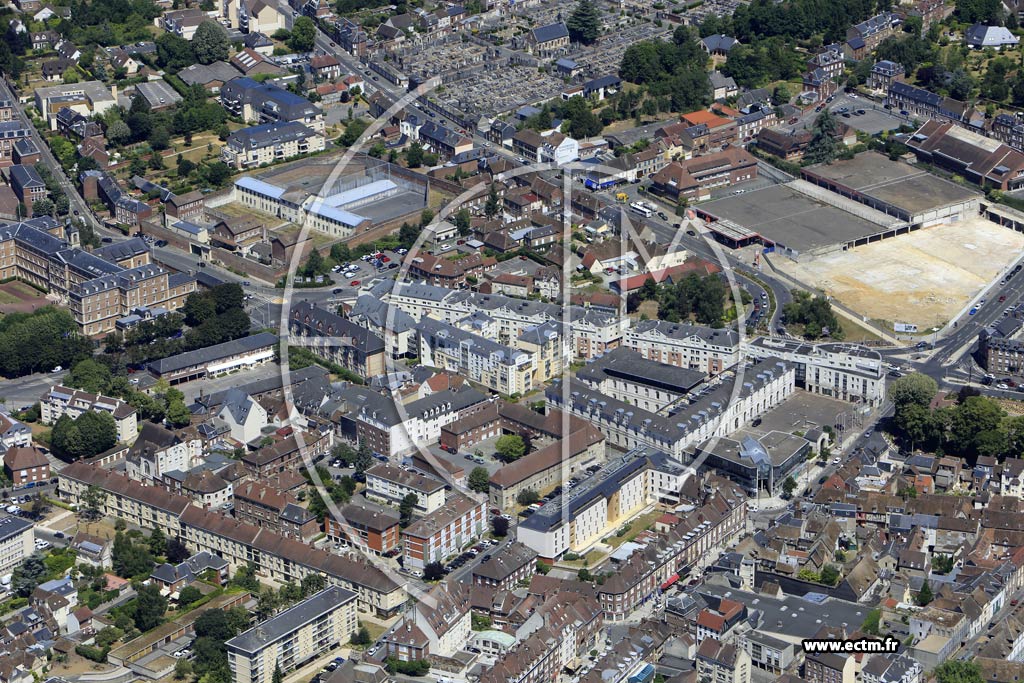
{"x":814,"y":313}
{"x":821,"y":20}
{"x":974,"y":426}
{"x":762,"y":61}
{"x":673,"y":69}
{"x":214,"y":316}
{"x":694,"y":297}
{"x":40,"y":341}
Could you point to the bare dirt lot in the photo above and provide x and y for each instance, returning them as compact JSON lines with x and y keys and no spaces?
{"x":17,"y":297}
{"x":924,"y":278}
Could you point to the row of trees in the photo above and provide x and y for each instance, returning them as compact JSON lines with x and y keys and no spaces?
{"x":673,"y":69}
{"x":40,"y":341}
{"x":87,"y":435}
{"x":974,"y":426}
{"x":697,"y":297}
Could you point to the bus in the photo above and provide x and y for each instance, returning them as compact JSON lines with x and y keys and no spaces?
{"x":638,"y":207}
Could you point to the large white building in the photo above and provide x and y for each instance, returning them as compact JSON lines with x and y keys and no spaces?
{"x":390,"y":484}
{"x":849,"y":372}
{"x":582,"y":516}
{"x":476,"y":357}
{"x":718,"y":411}
{"x":650,"y":385}
{"x":706,"y":349}
{"x":158,"y":451}
{"x":593,"y":331}
{"x":311,"y":628}
{"x":61,"y":400}
{"x":16,"y":542}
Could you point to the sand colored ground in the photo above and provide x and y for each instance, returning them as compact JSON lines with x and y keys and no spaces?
{"x":924,"y":278}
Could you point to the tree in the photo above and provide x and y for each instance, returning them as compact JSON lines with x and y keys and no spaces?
{"x":94,"y":499}
{"x":361,"y":636}
{"x":85,"y":436}
{"x":278,"y":675}
{"x":499,"y":526}
{"x":176,"y":551}
{"x":173,"y":51}
{"x":925,"y":595}
{"x":829,"y":575}
{"x":463,"y":222}
{"x":584,"y":23}
{"x":178,"y":414}
{"x":510,"y":447}
{"x":788,"y":486}
{"x":210,"y":43}
{"x":312,"y":583}
{"x":915,"y":388}
{"x":433,"y":571}
{"x":363,"y":458}
{"x":871,"y":623}
{"x":150,"y":606}
{"x":527,"y":497}
{"x":823,"y":147}
{"x":303,"y":34}
{"x":130,"y":559}
{"x":118,"y":132}
{"x":157,"y":542}
{"x":27,"y":575}
{"x":479,"y":480}
{"x":43,"y":207}
{"x":406,"y":508}
{"x":245,"y":578}
{"x":493,"y":205}
{"x":182,"y":669}
{"x":942,"y":564}
{"x":414,"y":155}
{"x":188,"y":595}
{"x":958,"y":671}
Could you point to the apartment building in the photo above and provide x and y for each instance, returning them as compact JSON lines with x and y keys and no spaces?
{"x":700,"y":348}
{"x":927,"y":105}
{"x":392,"y":429}
{"x":718,"y":411}
{"x":14,"y":136}
{"x":439,"y":626}
{"x":577,"y":518}
{"x":269,"y":143}
{"x":443,"y":533}
{"x":650,"y":385}
{"x":548,"y":466}
{"x":864,"y":37}
{"x":316,"y":625}
{"x":476,"y":357}
{"x":391,"y":484}
{"x":337,"y":339}
{"x":274,"y":556}
{"x":86,"y":98}
{"x":184,"y":22}
{"x":17,"y":541}
{"x":27,"y":185}
{"x":829,"y":667}
{"x":506,"y":568}
{"x":158,"y":451}
{"x":721,"y":663}
{"x":60,"y":400}
{"x":95,"y":290}
{"x":365,"y":525}
{"x":694,"y":179}
{"x":26,"y":465}
{"x":849,"y":372}
{"x":267,"y":103}
{"x":465,"y":433}
{"x":594,"y":331}
{"x":266,"y":507}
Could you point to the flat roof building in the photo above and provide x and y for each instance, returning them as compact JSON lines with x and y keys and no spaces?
{"x":293,"y":637}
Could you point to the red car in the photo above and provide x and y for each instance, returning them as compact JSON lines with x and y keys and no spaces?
{"x":385,"y":259}
{"x":1002,"y":298}
{"x":354,"y":283}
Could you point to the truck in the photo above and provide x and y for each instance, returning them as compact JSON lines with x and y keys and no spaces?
{"x":621,"y":197}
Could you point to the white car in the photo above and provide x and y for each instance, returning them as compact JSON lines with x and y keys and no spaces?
{"x":41,"y":544}
{"x":836,"y":461}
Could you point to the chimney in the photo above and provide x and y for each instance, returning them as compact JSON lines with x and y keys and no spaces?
{"x":113,"y":92}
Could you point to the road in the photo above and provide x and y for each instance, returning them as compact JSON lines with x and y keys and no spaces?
{"x":79,"y":207}
{"x":24,"y":391}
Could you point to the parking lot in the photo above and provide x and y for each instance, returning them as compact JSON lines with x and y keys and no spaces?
{"x":873,"y":121}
